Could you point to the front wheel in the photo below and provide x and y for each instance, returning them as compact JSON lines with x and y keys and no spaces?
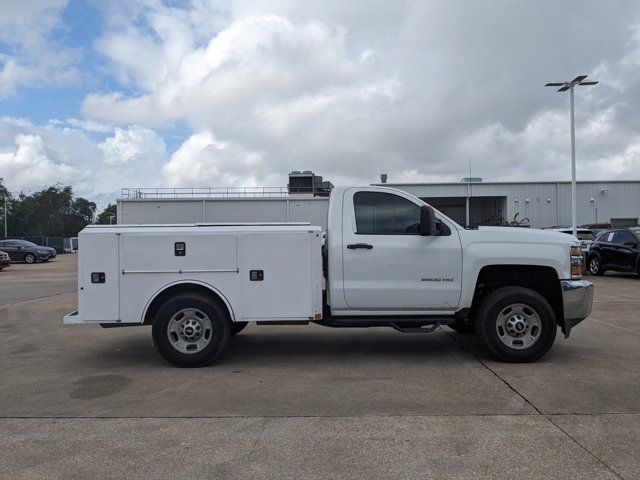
{"x":517,"y":324}
{"x":191,"y":330}
{"x":30,"y":258}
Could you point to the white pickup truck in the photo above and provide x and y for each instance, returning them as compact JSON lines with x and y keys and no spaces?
{"x":386,"y":259}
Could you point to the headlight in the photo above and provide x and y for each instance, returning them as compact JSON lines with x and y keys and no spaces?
{"x":577,"y":260}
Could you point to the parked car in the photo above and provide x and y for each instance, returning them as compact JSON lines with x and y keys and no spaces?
{"x":5,"y":261}
{"x":617,"y":250}
{"x":585,"y":236}
{"x":24,"y":251}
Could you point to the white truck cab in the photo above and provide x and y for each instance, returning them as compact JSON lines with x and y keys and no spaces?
{"x":388,"y":259}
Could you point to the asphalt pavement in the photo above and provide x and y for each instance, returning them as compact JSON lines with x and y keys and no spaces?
{"x":311,"y":402}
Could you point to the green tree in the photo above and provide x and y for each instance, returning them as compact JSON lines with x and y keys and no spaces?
{"x":82,"y":214}
{"x":108,"y":215}
{"x":53,"y":211}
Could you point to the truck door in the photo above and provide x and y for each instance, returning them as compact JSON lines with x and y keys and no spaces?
{"x":387,"y":264}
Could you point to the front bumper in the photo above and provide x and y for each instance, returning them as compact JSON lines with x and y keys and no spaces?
{"x":577,"y":299}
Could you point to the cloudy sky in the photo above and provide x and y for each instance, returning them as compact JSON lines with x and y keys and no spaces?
{"x":103,"y":95}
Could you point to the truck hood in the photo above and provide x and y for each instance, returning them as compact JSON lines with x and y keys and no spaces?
{"x":515,"y":234}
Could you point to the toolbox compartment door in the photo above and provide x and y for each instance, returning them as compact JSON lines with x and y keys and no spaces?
{"x":286,"y":274}
{"x":98,"y":302}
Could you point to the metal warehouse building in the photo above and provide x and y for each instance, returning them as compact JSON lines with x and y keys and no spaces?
{"x":544,"y":204}
{"x":537,"y":204}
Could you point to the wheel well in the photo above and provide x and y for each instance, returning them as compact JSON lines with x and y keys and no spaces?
{"x":543,"y":280}
{"x":164,"y":295}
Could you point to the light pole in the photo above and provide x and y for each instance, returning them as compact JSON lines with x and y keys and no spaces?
{"x":564,"y":86}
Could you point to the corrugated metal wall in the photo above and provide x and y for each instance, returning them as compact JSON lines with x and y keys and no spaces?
{"x":547,"y":203}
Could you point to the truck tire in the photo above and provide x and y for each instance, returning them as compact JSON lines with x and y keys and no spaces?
{"x":191,"y":330}
{"x":237,"y":327}
{"x":595,"y":265}
{"x":517,"y":324}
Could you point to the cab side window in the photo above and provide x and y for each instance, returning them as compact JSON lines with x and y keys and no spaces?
{"x":379,"y":213}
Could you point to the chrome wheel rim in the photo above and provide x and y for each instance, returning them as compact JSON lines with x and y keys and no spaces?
{"x":29,"y":258}
{"x":594,"y":265}
{"x":189,"y":331}
{"x":518,"y":326}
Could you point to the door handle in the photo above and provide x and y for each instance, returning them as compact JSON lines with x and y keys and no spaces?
{"x":353,"y":246}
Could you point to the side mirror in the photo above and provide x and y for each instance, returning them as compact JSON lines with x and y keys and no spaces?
{"x":20,"y":247}
{"x":630,"y":243}
{"x":428,"y":222}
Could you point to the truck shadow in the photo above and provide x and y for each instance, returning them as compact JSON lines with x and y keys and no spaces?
{"x":260,"y":346}
{"x":344,"y":346}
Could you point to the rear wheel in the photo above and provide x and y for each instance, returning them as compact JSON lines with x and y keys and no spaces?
{"x":595,"y":265}
{"x":30,"y":258}
{"x":191,"y":330}
{"x":517,"y":324}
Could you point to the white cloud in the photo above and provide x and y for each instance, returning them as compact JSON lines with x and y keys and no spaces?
{"x":350,"y":91}
{"x":88,"y":125}
{"x":201,"y":161}
{"x":135,"y":144}
{"x":31,"y":56}
{"x":255,"y":61}
{"x":32,"y":157}
{"x":34,"y":163}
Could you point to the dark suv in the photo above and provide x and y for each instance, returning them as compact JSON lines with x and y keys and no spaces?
{"x":21,"y":250}
{"x":617,"y":250}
